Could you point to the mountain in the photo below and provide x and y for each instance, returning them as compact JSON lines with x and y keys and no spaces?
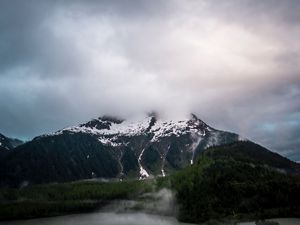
{"x":8,"y":143}
{"x":108,"y":147}
{"x":241,"y":181}
{"x":238,"y":181}
{"x":254,"y":154}
{"x":113,"y":148}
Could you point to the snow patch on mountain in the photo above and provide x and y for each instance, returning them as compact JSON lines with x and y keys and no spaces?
{"x":195,"y":144}
{"x":167,"y":128}
{"x":143,"y":172}
{"x":213,"y":140}
{"x":127,"y":127}
{"x":109,"y":131}
{"x":241,"y":138}
{"x":163,"y":172}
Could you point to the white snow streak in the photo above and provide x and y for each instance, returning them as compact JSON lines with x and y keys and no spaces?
{"x":163,"y":173}
{"x":195,"y":144}
{"x":143,"y":172}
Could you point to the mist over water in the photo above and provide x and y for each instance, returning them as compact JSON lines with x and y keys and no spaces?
{"x":155,"y":208}
{"x":101,"y":218}
{"x":158,"y":208}
{"x":129,"y":218}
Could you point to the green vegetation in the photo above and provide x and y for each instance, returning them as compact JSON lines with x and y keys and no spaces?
{"x":234,"y":186}
{"x":235,"y":182}
{"x":57,"y":199}
{"x":63,"y":158}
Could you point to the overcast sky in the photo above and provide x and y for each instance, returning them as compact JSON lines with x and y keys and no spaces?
{"x":234,"y":63}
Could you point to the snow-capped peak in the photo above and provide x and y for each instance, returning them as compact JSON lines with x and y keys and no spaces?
{"x":108,"y":129}
{"x":110,"y":126}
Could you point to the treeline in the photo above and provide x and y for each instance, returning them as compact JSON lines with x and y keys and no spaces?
{"x":225,"y":185}
{"x":235,"y":182}
{"x":57,"y":199}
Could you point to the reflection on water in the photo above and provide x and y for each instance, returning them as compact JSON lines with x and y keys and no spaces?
{"x":112,"y":218}
{"x":101,"y":218}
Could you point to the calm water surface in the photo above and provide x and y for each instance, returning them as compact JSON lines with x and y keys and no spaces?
{"x":111,"y":218}
{"x":101,"y":218}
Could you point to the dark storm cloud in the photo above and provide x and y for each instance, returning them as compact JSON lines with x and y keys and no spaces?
{"x":234,"y":63}
{"x":27,"y":43}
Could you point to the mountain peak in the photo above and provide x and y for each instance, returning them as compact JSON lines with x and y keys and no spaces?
{"x":194,"y":116}
{"x":152,"y":114}
{"x":7,"y":143}
{"x":137,"y":147}
{"x":111,"y":119}
{"x":152,"y":124}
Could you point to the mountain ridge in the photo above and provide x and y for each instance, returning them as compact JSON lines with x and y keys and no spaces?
{"x":7,"y":143}
{"x":137,"y":148}
{"x":112,"y":148}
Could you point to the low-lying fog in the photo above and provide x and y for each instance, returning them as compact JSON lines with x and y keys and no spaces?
{"x":150,"y":209}
{"x":101,"y":218}
{"x":157,"y":208}
{"x":113,"y":218}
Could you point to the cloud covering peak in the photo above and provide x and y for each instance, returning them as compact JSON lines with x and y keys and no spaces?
{"x":234,"y":63}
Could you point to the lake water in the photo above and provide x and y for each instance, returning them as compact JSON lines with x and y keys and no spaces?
{"x":129,"y":218}
{"x":101,"y":218}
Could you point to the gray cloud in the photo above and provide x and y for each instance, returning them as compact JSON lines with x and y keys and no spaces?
{"x":234,"y":63}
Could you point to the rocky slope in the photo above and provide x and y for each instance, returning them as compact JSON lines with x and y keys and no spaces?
{"x":112,"y":148}
{"x":8,"y":143}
